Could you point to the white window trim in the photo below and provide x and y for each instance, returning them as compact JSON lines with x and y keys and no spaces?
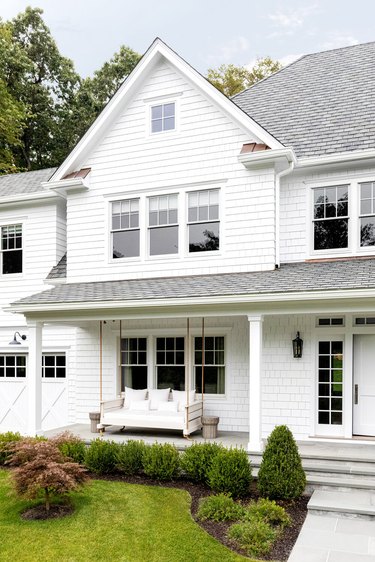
{"x":152,"y":334}
{"x":194,"y":255}
{"x":162,"y":101}
{"x":12,"y":222}
{"x":354,"y":248}
{"x":152,"y":227}
{"x":183,"y":239}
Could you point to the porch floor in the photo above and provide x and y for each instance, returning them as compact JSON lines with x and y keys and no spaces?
{"x":113,"y":433}
{"x":340,"y":450}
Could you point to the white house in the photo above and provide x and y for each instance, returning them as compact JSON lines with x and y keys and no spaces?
{"x":255,"y":214}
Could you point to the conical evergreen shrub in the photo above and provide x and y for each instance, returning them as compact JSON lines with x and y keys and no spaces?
{"x":281,"y":474}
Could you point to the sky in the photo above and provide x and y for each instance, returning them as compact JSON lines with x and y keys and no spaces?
{"x":206,"y":33}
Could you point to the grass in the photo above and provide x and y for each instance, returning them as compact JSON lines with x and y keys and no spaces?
{"x":112,"y":521}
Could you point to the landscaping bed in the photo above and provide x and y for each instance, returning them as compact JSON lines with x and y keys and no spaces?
{"x":296,"y":509}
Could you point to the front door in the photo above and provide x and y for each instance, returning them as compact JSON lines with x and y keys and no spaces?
{"x":364,"y":385}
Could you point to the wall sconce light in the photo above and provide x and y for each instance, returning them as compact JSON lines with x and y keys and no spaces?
{"x":297,"y":346}
{"x":15,"y":342}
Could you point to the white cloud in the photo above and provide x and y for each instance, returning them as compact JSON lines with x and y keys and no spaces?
{"x":228,"y":51}
{"x":337,"y":40}
{"x":287,"y":22}
{"x":288,"y":59}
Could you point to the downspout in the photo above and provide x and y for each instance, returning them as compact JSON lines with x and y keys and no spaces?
{"x":277,"y":210}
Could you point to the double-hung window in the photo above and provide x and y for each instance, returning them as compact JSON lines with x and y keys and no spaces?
{"x":203,"y":220}
{"x":11,"y":249}
{"x":133,"y":363}
{"x":163,"y":117}
{"x":125,"y":228}
{"x":163,"y":224}
{"x":331,"y":217}
{"x":214,"y":364}
{"x":170,"y":363}
{"x":367,"y":214}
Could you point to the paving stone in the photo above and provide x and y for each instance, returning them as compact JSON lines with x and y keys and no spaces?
{"x":303,"y":554}
{"x":317,"y":522}
{"x":357,"y":544}
{"x":336,"y":556}
{"x":355,"y":526}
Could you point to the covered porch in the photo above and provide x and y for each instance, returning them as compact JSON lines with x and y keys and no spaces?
{"x":257,"y":382}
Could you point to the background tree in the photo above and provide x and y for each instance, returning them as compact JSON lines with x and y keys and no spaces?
{"x":13,"y":113}
{"x":41,"y":469}
{"x":94,"y":93}
{"x":231,"y":79}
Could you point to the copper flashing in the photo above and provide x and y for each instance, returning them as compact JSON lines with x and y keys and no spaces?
{"x":78,"y":174}
{"x":253,"y":147}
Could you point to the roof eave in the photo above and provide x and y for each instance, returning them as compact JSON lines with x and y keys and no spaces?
{"x":281,"y":156}
{"x":25,"y":197}
{"x":246,"y":299}
{"x":336,"y":158}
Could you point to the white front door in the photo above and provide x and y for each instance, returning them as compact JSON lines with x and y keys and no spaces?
{"x":364,"y":385}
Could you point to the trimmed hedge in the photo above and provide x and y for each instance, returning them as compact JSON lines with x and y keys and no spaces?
{"x":197,"y":459}
{"x":100,"y":456}
{"x":230,"y":472}
{"x":71,"y":447}
{"x":281,"y":474}
{"x":161,"y":462}
{"x":129,"y":457}
{"x":6,"y":440}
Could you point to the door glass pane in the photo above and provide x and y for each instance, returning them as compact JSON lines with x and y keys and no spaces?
{"x":330,"y":377}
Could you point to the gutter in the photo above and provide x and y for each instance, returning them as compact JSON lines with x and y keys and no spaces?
{"x":279,"y":175}
{"x":337,"y":158}
{"x":39,"y":195}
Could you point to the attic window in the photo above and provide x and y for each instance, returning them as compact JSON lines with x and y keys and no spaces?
{"x":335,"y":321}
{"x":163,"y":117}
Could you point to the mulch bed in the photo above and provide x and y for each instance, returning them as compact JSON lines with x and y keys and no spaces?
{"x":297,"y":510}
{"x":39,"y":513}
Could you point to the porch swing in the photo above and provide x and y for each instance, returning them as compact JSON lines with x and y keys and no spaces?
{"x":177,"y":410}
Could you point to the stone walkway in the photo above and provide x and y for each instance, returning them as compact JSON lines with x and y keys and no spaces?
{"x":333,"y":533}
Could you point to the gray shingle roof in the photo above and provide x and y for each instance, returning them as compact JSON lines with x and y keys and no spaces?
{"x":59,"y":270}
{"x":297,"y":277}
{"x":24,"y":183}
{"x":321,"y":104}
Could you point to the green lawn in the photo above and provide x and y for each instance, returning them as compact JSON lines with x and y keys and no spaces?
{"x":112,"y":522}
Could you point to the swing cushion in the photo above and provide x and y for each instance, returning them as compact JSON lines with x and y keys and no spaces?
{"x":139,"y":405}
{"x":179,"y":396}
{"x":157,"y":396}
{"x":167,"y":407}
{"x":131,"y":394}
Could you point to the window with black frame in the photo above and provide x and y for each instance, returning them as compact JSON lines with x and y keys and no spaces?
{"x":170,"y":363}
{"x":214,"y":364}
{"x":133,"y":363}
{"x":11,"y":249}
{"x":331,"y":218}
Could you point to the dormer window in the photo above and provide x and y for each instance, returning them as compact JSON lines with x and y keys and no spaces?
{"x":163,"y":117}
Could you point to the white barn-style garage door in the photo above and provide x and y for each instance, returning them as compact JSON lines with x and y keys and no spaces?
{"x":14,"y":392}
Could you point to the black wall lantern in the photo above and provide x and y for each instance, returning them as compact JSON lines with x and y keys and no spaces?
{"x":14,"y":341}
{"x":297,"y":347}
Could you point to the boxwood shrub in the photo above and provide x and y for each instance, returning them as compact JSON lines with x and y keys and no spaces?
{"x":129,"y":457}
{"x":6,"y":440}
{"x":281,"y":474}
{"x":230,"y":472}
{"x":100,"y":456}
{"x":220,"y":508}
{"x":71,"y":446}
{"x":161,"y":461}
{"x":197,"y":459}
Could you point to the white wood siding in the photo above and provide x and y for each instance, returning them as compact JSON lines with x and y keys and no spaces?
{"x":42,"y":237}
{"x":204,"y":148}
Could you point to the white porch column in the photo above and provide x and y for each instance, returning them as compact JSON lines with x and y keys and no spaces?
{"x":255,"y":374}
{"x":34,"y":378}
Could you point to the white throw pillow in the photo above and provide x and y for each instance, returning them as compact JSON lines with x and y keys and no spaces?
{"x":168,"y":406}
{"x":157,"y":395}
{"x":179,"y":396}
{"x":131,"y":394}
{"x":139,"y":405}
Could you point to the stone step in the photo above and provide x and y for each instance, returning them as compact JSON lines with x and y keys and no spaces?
{"x":352,"y":468}
{"x":337,"y":456}
{"x":329,"y":481}
{"x":353,"y":503}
